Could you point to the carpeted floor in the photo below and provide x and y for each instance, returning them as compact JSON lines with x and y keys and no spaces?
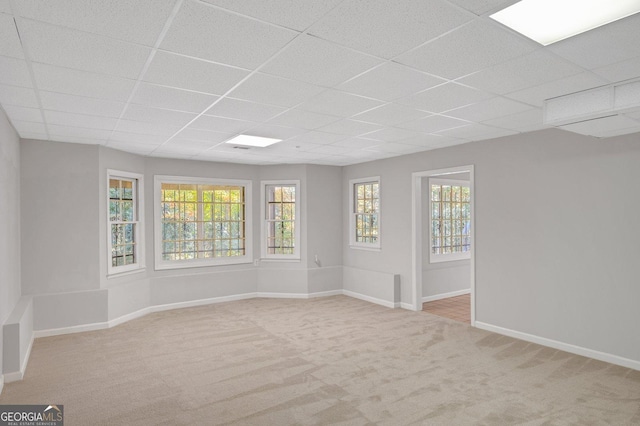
{"x":334,"y":360}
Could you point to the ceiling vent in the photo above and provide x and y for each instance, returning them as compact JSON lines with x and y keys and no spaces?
{"x":241,"y":147}
{"x":602,"y":112}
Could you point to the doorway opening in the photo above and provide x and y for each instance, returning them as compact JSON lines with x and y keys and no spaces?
{"x":443,"y":243}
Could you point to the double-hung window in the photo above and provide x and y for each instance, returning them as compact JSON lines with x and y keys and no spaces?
{"x":124,"y":224}
{"x":202,"y":222}
{"x":450,"y":224}
{"x":281,"y":219}
{"x":364,"y":199}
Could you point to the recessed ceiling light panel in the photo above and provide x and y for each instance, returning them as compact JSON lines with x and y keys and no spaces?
{"x":549,"y":21}
{"x":248,"y":140}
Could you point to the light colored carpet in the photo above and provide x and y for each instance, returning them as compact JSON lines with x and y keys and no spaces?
{"x":334,"y":360}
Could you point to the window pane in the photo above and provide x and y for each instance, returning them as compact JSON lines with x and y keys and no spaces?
{"x":367,"y":206}
{"x":205,"y":214}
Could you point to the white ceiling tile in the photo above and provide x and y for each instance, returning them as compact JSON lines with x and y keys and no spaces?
{"x":10,"y":45}
{"x":526,"y":121}
{"x":5,"y":6}
{"x":244,"y":110}
{"x":476,"y":132}
{"x":59,"y":46}
{"x":318,"y":138}
{"x":391,"y":114}
{"x":58,"y":132}
{"x":390,"y":81}
{"x":192,"y":143}
{"x":78,"y":139}
{"x":445,"y":97}
{"x":82,"y":83}
{"x":293,"y":146}
{"x":480,"y":7}
{"x":134,"y":148}
{"x":239,"y":41}
{"x":396,"y":148}
{"x":392,"y":134}
{"x":350,"y":127}
{"x":29,"y":127}
{"x":170,"y":98}
{"x":156,"y":115}
{"x":488,"y":109}
{"x":221,"y":124}
{"x":23,"y":113}
{"x":608,"y":44}
{"x":204,"y":135}
{"x":605,"y":127}
{"x":356,"y":143}
{"x":80,"y":105}
{"x":137,"y":138}
{"x":538,"y":94}
{"x":295,"y":14}
{"x":80,"y":120}
{"x":272,"y":90}
{"x":386,"y":30}
{"x":193,"y":74}
{"x":331,"y":150}
{"x":14,"y":72}
{"x":175,"y":152}
{"x":337,"y":103}
{"x":620,"y":71}
{"x":303,"y":119}
{"x":429,"y":140}
{"x":159,"y":129}
{"x":434,"y":123}
{"x":526,"y":71}
{"x":468,"y":49}
{"x":317,"y":61}
{"x":276,"y":132}
{"x":139,"y":21}
{"x":20,"y":96}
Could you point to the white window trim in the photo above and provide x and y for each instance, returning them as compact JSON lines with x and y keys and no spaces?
{"x":448,"y":257}
{"x":263,"y":221}
{"x":161,"y":264}
{"x":352,"y":215}
{"x":138,"y":197}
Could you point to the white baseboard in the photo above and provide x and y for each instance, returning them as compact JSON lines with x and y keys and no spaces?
{"x":70,"y":330}
{"x":409,"y":306}
{"x":299,"y":295}
{"x":325,"y":294}
{"x":445,"y":295}
{"x":370,"y":299}
{"x":578,"y":350}
{"x":201,"y":302}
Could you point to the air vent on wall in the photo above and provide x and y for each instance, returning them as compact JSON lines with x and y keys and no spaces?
{"x":602,"y":112}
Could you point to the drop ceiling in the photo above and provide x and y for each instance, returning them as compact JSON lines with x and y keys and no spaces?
{"x":339,"y":81}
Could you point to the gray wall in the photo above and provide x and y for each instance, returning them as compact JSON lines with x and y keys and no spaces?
{"x":9,"y":221}
{"x":556,"y":233}
{"x":60,"y":210}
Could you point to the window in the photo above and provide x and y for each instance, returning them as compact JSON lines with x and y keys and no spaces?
{"x":202,"y":222}
{"x":450,"y":227}
{"x":125,"y":242}
{"x":281,"y":215}
{"x":365,"y":213}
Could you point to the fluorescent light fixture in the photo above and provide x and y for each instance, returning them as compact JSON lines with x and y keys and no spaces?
{"x":549,"y":21}
{"x":248,"y":140}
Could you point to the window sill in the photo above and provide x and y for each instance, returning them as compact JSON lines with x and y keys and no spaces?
{"x":365,"y":248}
{"x":445,"y":259}
{"x":125,"y":273}
{"x":276,"y":260}
{"x":190,"y":264}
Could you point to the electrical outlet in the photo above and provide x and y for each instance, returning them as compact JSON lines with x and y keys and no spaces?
{"x":256,"y":262}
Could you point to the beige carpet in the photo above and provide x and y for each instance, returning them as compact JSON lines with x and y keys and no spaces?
{"x":333,"y":360}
